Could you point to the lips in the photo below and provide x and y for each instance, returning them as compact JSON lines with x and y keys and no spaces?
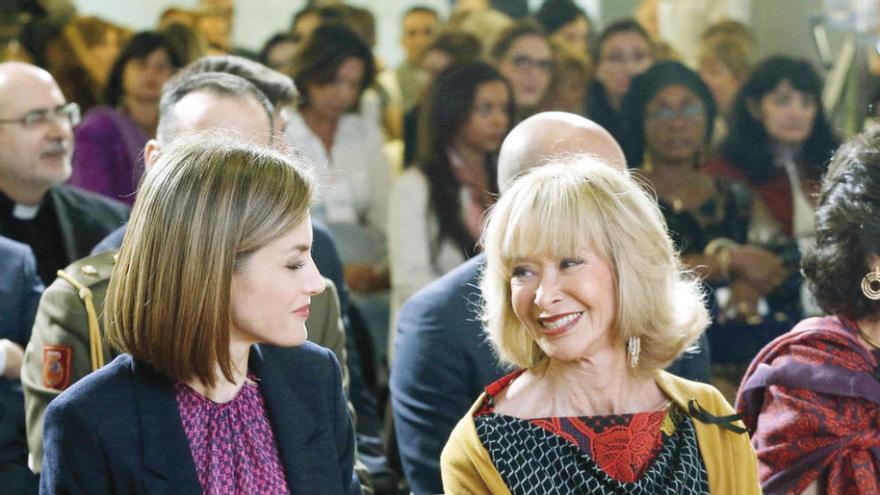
{"x":302,"y":311}
{"x":559,"y":324}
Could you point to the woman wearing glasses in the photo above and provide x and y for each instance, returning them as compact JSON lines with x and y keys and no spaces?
{"x":523,"y":56}
{"x":721,"y":229}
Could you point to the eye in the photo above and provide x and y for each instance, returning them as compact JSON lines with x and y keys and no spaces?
{"x":521,"y":271}
{"x":570,"y":262}
{"x":296,"y":266}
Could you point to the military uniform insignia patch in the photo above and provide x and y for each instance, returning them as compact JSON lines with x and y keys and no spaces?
{"x":56,"y":366}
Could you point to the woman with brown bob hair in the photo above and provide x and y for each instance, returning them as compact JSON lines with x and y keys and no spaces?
{"x":811,"y":398}
{"x":584,"y":293}
{"x":213,"y":280}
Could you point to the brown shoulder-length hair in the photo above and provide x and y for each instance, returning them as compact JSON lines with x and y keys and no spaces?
{"x":203,"y":208}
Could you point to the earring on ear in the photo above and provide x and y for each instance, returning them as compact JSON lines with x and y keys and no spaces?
{"x":633,"y":349}
{"x":871,"y":284}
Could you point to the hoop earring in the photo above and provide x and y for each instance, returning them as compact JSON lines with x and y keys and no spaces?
{"x":633,"y":349}
{"x":868,"y":282}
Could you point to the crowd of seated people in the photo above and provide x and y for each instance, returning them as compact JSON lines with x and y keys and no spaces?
{"x":537,"y":226}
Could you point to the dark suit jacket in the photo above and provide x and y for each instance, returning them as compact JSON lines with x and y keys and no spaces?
{"x":442,"y":362}
{"x":20,"y":290}
{"x":119,"y":431}
{"x":85,"y":219}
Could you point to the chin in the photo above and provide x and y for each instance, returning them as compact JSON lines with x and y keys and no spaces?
{"x":294,"y":339}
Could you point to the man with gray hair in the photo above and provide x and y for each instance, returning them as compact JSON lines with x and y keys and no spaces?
{"x":442,"y":361}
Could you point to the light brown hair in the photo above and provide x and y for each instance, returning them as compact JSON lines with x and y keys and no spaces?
{"x":203,"y":208}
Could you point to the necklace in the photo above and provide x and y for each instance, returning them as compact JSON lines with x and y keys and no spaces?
{"x":868,"y":339}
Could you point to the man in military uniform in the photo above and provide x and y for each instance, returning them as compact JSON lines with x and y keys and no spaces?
{"x":66,"y":343}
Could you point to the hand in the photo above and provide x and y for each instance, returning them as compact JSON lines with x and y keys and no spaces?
{"x":743,"y":303}
{"x":363,"y":277}
{"x":14,"y":354}
{"x":757,"y":266}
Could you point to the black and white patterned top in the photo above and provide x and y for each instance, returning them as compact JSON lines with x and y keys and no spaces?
{"x":532,"y":459}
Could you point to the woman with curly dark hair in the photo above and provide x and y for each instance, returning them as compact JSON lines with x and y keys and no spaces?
{"x":436,"y":208}
{"x":811,"y":398}
{"x":780,"y":141}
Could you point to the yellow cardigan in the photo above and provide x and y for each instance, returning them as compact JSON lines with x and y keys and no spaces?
{"x":730,"y":460}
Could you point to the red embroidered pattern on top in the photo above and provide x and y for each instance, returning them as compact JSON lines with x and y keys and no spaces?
{"x":623,"y":445}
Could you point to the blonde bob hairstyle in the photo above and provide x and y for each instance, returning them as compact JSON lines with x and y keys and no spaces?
{"x":557,"y":209}
{"x":208,"y":203}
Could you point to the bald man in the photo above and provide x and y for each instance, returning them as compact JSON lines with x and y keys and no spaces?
{"x":59,"y":223}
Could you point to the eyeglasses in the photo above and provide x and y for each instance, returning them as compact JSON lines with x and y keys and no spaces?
{"x":524,"y":62}
{"x":68,"y":113}
{"x":690,"y":112}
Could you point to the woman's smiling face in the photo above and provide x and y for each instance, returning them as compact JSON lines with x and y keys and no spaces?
{"x":569,"y":304}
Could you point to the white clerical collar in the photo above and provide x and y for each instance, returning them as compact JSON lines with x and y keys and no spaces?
{"x":25,"y":212}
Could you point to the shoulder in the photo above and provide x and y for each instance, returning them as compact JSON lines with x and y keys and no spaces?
{"x":101,"y":390}
{"x":99,"y":120}
{"x":15,"y":258}
{"x":721,"y":166}
{"x":8,"y":247}
{"x":408,"y":187}
{"x":355,"y":127}
{"x":683,"y":391}
{"x":412,"y":177}
{"x":87,"y":272}
{"x":309,"y":360}
{"x":452,"y":295}
{"x":93,"y":204}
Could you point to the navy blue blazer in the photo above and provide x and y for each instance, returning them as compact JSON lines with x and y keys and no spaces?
{"x":20,"y":290}
{"x":442,"y":362}
{"x":118,"y":430}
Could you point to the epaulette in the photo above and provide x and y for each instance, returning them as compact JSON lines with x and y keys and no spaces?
{"x":81,"y":275}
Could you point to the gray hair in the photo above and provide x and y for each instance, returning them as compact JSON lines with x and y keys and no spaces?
{"x":216,"y":83}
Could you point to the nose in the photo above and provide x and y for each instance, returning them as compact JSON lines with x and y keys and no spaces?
{"x":314,"y":283}
{"x":59,"y":127}
{"x":548,"y":290}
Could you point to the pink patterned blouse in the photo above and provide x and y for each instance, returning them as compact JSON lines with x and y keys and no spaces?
{"x":232,"y":443}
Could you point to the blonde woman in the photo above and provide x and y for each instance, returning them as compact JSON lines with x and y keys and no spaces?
{"x":215,"y":265}
{"x":585,"y":295}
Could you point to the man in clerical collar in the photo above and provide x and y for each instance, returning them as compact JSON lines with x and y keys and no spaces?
{"x":59,"y":223}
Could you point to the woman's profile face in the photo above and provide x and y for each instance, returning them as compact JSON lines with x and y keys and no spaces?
{"x":142,"y":78}
{"x":271,"y":290}
{"x":487,"y":123}
{"x":788,"y":114}
{"x":568,"y":304}
{"x":675,"y":125}
{"x":527,"y":65}
{"x":622,"y":56}
{"x":338,"y":96}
